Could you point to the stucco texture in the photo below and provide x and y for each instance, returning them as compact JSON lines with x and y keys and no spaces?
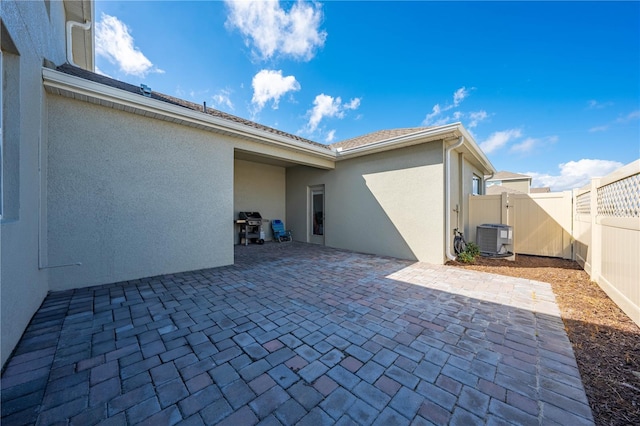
{"x":387,"y":203}
{"x":259,"y":188}
{"x":132,"y":197}
{"x":35,"y":35}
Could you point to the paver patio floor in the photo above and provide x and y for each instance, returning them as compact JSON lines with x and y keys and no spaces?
{"x":299,"y":334}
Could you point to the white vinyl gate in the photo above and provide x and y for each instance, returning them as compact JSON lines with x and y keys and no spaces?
{"x":541,"y":222}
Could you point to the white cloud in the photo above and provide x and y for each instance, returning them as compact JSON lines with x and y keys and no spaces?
{"x":476,"y":117}
{"x":435,"y":117}
{"x":223,"y":99}
{"x":328,"y":106}
{"x":272,"y":30}
{"x":525,"y":146}
{"x":529,"y":144}
{"x":574,"y":174}
{"x":99,"y":71}
{"x":115,"y":43}
{"x":353,"y":104}
{"x":459,"y":96}
{"x":324,"y":106}
{"x":632,"y":116}
{"x":429,"y":119}
{"x":499,"y":139}
{"x":593,"y":104}
{"x":270,"y":85}
{"x":331,"y":135}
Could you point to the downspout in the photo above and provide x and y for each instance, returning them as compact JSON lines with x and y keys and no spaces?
{"x":485,"y":182}
{"x":447,"y":196}
{"x":70,"y":25}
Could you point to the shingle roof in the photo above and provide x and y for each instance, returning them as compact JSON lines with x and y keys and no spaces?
{"x":374,"y":137}
{"x":502,"y":175}
{"x":98,"y":78}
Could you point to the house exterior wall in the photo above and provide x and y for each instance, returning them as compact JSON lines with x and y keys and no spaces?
{"x":466,"y":188}
{"x":387,"y":203}
{"x":133,"y":197}
{"x":259,"y":187}
{"x":518,"y":185}
{"x":36,"y":34}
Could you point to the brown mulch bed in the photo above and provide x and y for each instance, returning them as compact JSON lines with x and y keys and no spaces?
{"x":605,"y":340}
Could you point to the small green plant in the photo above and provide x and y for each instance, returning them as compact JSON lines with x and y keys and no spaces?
{"x":469,"y":254}
{"x":473,"y":249}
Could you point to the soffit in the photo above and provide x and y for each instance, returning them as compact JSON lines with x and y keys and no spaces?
{"x":262,"y":159}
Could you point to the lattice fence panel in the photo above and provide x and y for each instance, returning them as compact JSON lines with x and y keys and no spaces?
{"x":620,"y":198}
{"x":583,"y":203}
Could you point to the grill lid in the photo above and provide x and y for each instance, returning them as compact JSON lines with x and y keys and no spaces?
{"x":250,"y":216}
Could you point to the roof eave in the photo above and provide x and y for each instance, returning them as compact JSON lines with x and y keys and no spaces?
{"x":448,"y":131}
{"x":90,"y":91}
{"x":475,"y":150}
{"x":427,"y":135}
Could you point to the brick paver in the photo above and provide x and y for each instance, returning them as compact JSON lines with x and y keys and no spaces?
{"x":298,"y":334}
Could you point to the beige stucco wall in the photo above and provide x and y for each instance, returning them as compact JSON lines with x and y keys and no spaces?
{"x":23,"y":285}
{"x":387,"y":203}
{"x":133,"y":197}
{"x":460,"y":194}
{"x":259,"y":188}
{"x":518,"y":185}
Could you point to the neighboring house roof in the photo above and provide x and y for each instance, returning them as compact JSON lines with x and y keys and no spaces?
{"x":374,"y":137}
{"x":502,"y":175}
{"x":499,"y":189}
{"x":98,"y":78}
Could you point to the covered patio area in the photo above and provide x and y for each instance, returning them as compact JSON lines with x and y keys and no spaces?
{"x":296,"y":333}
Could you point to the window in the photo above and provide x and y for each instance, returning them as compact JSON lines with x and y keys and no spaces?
{"x":476,"y":188}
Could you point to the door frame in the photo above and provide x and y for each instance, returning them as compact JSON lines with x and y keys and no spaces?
{"x":313,"y":237}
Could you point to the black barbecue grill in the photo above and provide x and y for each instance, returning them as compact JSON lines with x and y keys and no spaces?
{"x":250,"y":227}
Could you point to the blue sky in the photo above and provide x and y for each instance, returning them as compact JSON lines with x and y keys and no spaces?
{"x":549,"y":89}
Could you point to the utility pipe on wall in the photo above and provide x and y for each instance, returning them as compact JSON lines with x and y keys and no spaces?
{"x":70,"y":25}
{"x":447,"y":195}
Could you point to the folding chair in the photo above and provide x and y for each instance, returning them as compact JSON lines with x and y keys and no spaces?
{"x":279,"y":233}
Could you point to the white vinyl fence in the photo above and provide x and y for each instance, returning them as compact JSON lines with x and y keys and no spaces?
{"x":607,"y":235}
{"x":541,"y":222}
{"x":597,"y":225}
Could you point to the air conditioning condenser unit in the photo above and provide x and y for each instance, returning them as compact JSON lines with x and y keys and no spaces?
{"x":492,"y":239}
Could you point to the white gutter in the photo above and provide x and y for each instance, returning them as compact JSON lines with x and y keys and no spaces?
{"x":447,"y":195}
{"x":70,"y":25}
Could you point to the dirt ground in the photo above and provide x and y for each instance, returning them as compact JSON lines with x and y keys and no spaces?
{"x":605,"y":340}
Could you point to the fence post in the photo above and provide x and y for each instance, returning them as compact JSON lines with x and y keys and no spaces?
{"x":504,"y":214}
{"x":596,"y":233}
